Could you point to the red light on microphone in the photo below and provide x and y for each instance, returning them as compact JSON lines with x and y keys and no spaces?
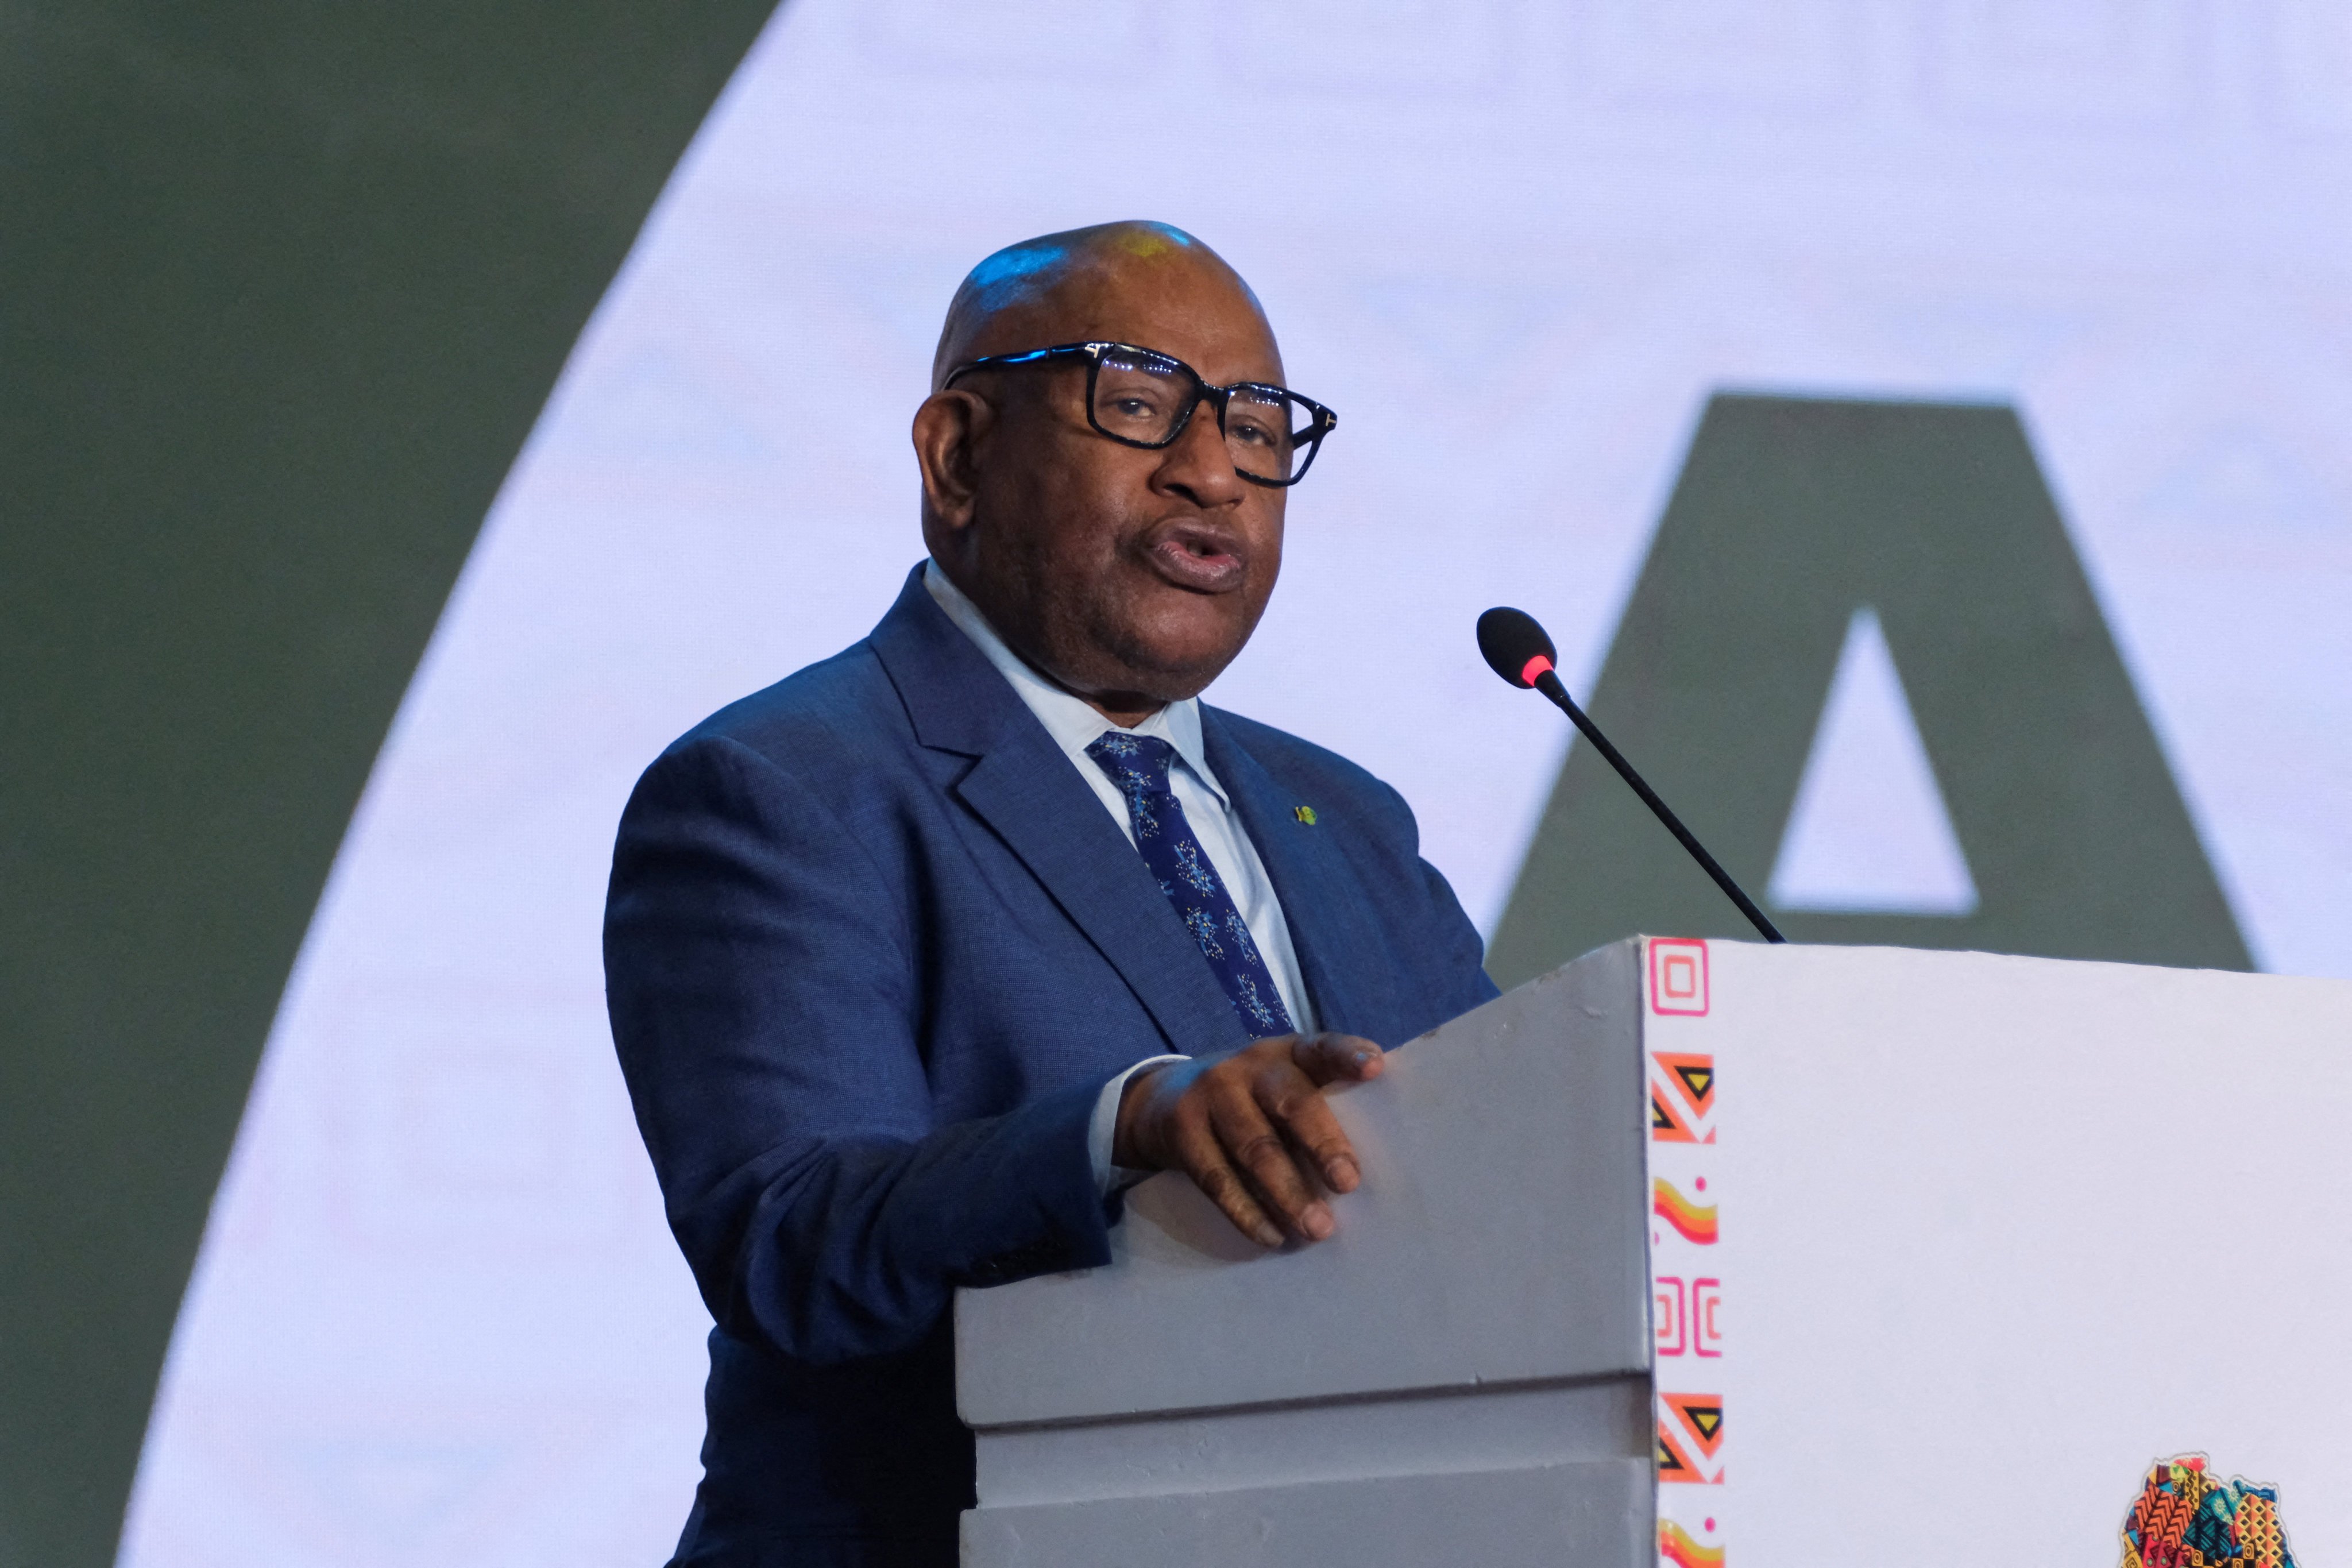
{"x":1539,"y":665}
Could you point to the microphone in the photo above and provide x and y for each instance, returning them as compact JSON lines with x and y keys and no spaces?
{"x":1518,"y":650}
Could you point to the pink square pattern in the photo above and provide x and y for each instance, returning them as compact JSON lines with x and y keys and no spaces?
{"x":1678,"y":975}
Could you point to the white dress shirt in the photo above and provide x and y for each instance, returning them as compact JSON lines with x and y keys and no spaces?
{"x":1075,"y":725}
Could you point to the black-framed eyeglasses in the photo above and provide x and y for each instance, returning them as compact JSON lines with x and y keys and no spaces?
{"x":1141,"y":397}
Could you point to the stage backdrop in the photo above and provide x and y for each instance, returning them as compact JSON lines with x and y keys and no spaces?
{"x":2055,"y":297}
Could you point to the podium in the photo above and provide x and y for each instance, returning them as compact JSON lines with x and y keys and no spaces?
{"x":1708,"y":1253}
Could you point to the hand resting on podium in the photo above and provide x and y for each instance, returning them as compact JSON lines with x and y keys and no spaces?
{"x":1253,"y":1130}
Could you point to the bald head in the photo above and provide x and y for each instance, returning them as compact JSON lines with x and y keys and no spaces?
{"x":1083,"y":285}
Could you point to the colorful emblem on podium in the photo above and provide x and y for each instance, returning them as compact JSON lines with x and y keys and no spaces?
{"x":2186,"y":1518}
{"x":1690,"y":1438}
{"x":1682,"y":1096}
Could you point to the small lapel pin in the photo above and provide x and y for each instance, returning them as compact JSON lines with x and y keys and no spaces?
{"x":1305,"y":814}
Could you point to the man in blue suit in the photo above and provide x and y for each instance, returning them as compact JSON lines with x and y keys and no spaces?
{"x":917,"y":957}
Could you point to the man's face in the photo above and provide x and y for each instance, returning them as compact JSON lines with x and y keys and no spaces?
{"x":1130,"y":576}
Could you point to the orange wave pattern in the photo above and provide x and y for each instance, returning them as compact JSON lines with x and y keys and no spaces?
{"x":1695,"y":1222}
{"x":1675,"y":1545}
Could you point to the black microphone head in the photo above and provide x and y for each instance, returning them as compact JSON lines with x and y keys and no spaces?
{"x":1517,"y":649}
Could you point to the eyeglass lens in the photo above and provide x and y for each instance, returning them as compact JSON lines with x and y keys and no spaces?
{"x":1144,"y":397}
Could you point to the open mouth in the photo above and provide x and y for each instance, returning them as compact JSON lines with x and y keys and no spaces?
{"x":1198,"y":556}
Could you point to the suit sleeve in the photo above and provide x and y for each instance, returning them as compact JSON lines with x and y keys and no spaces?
{"x":1457,"y":954}
{"x":763,"y":987}
{"x":1463,"y":950}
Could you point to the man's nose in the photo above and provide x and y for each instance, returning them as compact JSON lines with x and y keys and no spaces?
{"x":1197,"y":466}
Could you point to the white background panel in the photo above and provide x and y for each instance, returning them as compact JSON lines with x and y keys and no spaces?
{"x":437,"y":1318}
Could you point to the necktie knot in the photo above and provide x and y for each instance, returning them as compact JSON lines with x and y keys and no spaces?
{"x":1119,"y":755}
{"x":1138,"y":766}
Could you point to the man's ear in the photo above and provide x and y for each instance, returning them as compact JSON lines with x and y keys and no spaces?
{"x":949,"y":429}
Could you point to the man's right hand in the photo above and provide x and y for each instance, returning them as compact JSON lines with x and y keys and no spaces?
{"x":1251,"y":1128}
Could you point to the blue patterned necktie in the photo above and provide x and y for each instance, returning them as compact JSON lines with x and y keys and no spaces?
{"x":1139,"y":765}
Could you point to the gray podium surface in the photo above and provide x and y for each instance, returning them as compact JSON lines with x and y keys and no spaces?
{"x":1460,"y":1374}
{"x":1695,"y":1252}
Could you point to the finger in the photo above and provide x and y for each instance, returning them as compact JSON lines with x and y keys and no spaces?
{"x":1337,"y":1058}
{"x":1297,"y":1108}
{"x":1200,"y":1155}
{"x":1258,"y":1150}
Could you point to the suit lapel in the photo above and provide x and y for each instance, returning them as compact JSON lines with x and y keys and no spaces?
{"x":1320,"y":902}
{"x":1037,"y":804}
{"x":1024,"y":788}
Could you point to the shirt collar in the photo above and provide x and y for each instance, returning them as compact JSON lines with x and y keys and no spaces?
{"x":1072,"y":721}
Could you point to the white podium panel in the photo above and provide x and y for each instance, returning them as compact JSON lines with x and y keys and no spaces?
{"x":1713,"y":1253}
{"x":1993,"y":1236}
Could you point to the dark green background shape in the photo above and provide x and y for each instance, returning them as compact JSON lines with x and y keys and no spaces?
{"x":282,"y":288}
{"x":1789,"y":514}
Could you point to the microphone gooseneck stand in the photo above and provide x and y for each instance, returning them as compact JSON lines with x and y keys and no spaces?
{"x":1519,"y":650}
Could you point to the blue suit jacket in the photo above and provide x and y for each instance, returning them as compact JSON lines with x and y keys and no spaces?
{"x":872,"y":948}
